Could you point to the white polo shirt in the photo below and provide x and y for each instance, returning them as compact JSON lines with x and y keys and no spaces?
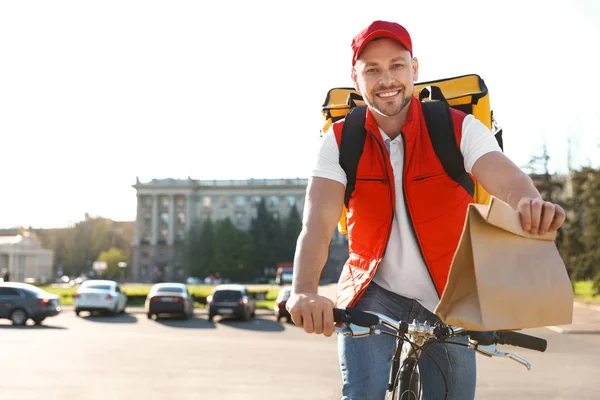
{"x":402,"y":269}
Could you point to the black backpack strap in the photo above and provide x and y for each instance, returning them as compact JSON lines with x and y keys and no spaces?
{"x":441,"y":131}
{"x":497,"y":132}
{"x":351,"y":146}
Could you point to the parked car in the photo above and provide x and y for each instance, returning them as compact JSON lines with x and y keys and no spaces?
{"x":100,"y":295}
{"x":231,"y":300}
{"x":169,"y":298}
{"x":21,"y":301}
{"x":280,"y":302}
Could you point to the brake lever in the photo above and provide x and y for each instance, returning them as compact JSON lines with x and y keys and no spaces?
{"x":353,"y":330}
{"x":491,"y":351}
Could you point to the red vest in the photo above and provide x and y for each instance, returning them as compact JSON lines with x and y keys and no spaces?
{"x":436,"y":204}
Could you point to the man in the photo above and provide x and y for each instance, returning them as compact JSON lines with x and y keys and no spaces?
{"x":405,"y":219}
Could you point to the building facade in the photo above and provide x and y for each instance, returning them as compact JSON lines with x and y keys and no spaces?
{"x":25,"y":259}
{"x":168,"y":208}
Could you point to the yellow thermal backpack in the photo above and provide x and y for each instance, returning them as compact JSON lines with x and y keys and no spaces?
{"x":467,"y":93}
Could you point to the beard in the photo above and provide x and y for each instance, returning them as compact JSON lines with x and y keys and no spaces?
{"x":390,"y":108}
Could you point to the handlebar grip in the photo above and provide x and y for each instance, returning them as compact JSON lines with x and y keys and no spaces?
{"x":521,"y":340}
{"x":354,"y":316}
{"x":339,"y":315}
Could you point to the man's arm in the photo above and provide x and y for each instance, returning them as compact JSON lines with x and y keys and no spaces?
{"x":322,"y":212}
{"x":504,"y":180}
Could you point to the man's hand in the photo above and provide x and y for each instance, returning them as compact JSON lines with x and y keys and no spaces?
{"x":312,"y":311}
{"x":539,"y":216}
{"x":504,"y":180}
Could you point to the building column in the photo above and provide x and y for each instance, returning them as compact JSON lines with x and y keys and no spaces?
{"x":139,"y":219}
{"x":12,"y":271}
{"x":134,"y":268}
{"x":154,"y":219}
{"x":190,"y":211}
{"x":171,"y":235}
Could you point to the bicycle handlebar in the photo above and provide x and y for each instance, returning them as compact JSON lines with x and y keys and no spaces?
{"x":365,"y":319}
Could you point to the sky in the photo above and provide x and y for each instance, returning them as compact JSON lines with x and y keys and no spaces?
{"x":95,"y":94}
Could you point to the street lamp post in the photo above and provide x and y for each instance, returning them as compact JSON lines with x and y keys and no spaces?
{"x":122,"y":265}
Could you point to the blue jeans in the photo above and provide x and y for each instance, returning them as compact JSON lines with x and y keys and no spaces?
{"x":365,"y":362}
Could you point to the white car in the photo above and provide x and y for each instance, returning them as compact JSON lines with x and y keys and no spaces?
{"x":100,"y":295}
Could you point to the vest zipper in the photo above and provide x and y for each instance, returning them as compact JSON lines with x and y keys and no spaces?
{"x":387,"y":175}
{"x":390,"y":183}
{"x":412,"y":226}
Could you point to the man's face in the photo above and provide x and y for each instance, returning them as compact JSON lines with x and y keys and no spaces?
{"x":385,"y":74}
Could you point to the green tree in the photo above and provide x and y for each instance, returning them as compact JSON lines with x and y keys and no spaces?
{"x":266,"y":234}
{"x":291,"y":230}
{"x":571,"y":246}
{"x":192,"y":251}
{"x":588,"y":264}
{"x":206,"y":254}
{"x":75,"y":248}
{"x":112,"y":257}
{"x":233,"y":251}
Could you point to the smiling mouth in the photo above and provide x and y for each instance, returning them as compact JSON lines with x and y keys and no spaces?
{"x":388,"y":95}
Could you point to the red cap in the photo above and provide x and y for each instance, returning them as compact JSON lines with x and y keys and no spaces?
{"x":379,"y":29}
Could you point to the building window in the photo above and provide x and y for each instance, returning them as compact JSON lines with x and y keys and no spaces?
{"x":273,"y":201}
{"x":164,"y":233}
{"x":164,"y":201}
{"x":180,"y":201}
{"x":240,"y":201}
{"x":148,"y":201}
{"x":181,"y":218}
{"x":147,"y":236}
{"x":180,"y":237}
{"x":291,"y":200}
{"x":276,"y":216}
{"x":164,"y":218}
{"x":256,"y":201}
{"x":207,"y":201}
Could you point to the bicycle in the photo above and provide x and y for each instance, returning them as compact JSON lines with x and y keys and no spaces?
{"x":412,"y":339}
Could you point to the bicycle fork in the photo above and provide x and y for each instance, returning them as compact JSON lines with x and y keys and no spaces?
{"x":404,"y":382}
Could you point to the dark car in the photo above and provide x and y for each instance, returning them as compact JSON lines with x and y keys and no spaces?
{"x":21,"y":301}
{"x":280,"y":303}
{"x":231,"y":300}
{"x":169,"y":298}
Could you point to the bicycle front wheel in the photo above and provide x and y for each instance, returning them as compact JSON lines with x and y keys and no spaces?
{"x":408,"y":382}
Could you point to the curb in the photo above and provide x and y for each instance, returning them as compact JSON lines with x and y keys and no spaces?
{"x":580,"y":329}
{"x":595,"y":307}
{"x":573,"y":331}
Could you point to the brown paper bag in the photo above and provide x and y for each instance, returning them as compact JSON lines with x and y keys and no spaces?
{"x":503,"y":277}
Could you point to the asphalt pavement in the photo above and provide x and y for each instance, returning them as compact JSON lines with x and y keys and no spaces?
{"x":130,"y":357}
